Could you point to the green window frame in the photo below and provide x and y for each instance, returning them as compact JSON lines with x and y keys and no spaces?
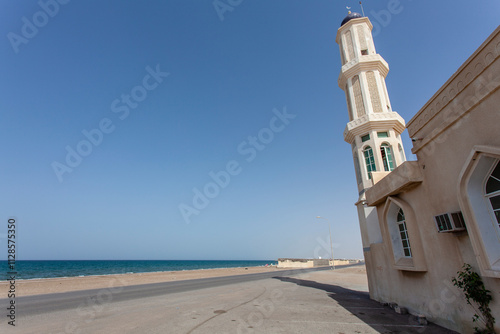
{"x":383,"y":134}
{"x":369,"y":161}
{"x":387,"y":158}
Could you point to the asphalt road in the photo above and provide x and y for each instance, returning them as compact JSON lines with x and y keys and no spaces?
{"x":40,"y":304}
{"x":315,"y":300}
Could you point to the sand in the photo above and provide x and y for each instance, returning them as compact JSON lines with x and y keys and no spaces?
{"x":55,"y":285}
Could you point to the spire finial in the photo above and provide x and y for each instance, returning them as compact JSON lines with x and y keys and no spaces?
{"x":362,"y":11}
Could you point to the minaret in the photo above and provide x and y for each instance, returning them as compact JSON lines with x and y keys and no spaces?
{"x":374,"y":129}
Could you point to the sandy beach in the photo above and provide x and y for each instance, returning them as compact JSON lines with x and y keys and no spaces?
{"x":65,"y":284}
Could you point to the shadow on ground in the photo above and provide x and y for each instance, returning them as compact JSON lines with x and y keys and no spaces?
{"x":379,"y":317}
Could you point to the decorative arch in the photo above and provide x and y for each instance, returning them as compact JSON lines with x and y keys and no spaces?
{"x":401,"y":153}
{"x":357,"y":167}
{"x":348,"y":100}
{"x":475,"y":194}
{"x":358,"y":96}
{"x":374,"y":93}
{"x":402,"y":234}
{"x":349,"y":46}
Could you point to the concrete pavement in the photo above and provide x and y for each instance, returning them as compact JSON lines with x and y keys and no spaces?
{"x":316,"y":302}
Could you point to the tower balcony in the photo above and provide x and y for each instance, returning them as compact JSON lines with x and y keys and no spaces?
{"x":374,"y":121}
{"x":360,"y":64}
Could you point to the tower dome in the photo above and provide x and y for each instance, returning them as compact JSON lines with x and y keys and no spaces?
{"x":349,"y":17}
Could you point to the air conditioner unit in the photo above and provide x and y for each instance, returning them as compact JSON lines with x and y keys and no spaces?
{"x":450,"y":222}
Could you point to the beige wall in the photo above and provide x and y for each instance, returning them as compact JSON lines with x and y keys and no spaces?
{"x":344,"y":262}
{"x":462,"y":115}
{"x":302,"y":263}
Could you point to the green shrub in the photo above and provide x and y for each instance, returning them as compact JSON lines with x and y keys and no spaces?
{"x":472,"y":285}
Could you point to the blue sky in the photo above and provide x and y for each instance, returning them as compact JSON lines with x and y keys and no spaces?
{"x":172,"y":92}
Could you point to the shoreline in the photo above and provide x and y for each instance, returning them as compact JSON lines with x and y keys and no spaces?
{"x":39,"y":286}
{"x":132,"y":272}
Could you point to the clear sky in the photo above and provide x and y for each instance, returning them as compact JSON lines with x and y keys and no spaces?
{"x":116,"y":115}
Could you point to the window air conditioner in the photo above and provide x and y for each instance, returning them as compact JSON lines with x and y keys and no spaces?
{"x":450,"y":222}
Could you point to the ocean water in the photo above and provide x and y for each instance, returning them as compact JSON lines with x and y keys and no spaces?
{"x":66,"y":268}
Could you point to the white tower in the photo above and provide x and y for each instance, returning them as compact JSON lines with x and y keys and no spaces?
{"x":374,"y":129}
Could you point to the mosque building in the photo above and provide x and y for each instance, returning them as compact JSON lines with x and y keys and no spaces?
{"x":422,"y":220}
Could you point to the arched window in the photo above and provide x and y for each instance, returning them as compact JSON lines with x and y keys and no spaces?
{"x":400,"y":221}
{"x":479,"y":197}
{"x":387,"y":158}
{"x":369,"y":160}
{"x":403,"y":232}
{"x":492,"y":192}
{"x":401,"y":153}
{"x":356,"y":167}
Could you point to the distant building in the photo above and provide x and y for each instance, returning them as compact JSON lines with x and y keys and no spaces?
{"x":422,"y":220}
{"x":311,"y":263}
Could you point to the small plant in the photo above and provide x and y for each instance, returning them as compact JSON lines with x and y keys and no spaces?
{"x":472,"y":285}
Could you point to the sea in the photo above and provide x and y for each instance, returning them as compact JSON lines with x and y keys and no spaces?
{"x":66,"y":268}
